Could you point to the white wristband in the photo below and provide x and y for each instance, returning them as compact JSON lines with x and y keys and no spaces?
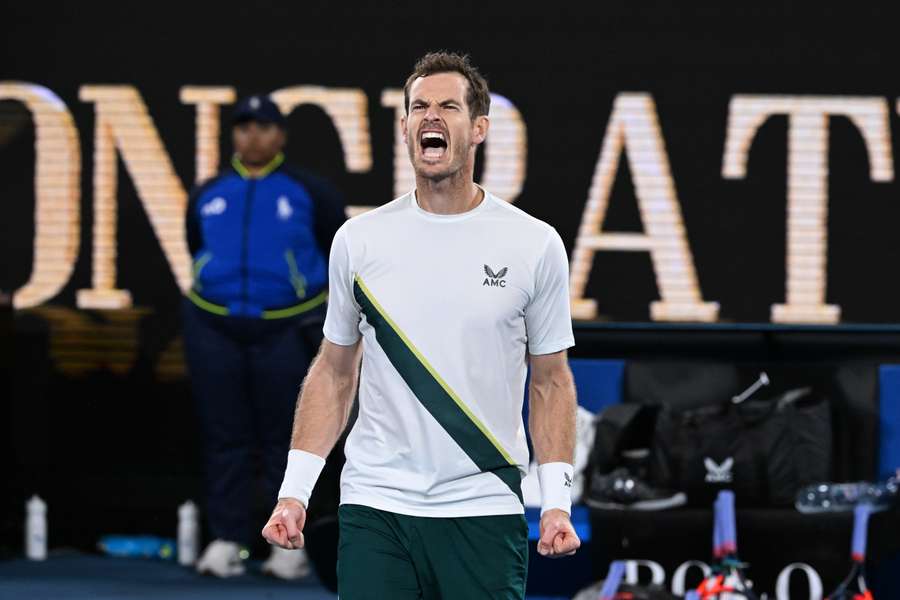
{"x":556,"y":486}
{"x":303,"y":469}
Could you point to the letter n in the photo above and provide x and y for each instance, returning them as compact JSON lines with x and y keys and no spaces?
{"x":122,"y":123}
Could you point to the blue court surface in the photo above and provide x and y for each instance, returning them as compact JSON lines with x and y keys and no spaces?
{"x":73,"y":576}
{"x":82,"y":577}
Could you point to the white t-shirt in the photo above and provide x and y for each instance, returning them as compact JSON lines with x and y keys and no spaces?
{"x":447,"y":306}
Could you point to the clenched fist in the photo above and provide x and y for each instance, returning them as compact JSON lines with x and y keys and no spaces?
{"x":285,"y":527}
{"x":558,"y":537}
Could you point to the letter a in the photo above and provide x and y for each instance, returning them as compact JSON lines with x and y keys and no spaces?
{"x":633,"y":127}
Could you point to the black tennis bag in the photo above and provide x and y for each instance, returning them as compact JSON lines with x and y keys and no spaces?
{"x":763,"y":450}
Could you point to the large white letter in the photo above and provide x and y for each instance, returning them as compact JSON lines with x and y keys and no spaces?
{"x":505,"y":151}
{"x":348,"y":111}
{"x":57,"y":191}
{"x":782,"y":586}
{"x":634,"y":128}
{"x":123,"y":123}
{"x":632,"y":567}
{"x":404,"y":177}
{"x":208,"y":100}
{"x":680,"y":574}
{"x":807,"y":182}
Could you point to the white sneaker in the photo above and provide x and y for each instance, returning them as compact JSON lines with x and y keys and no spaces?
{"x":287,"y":564}
{"x":222,"y":559}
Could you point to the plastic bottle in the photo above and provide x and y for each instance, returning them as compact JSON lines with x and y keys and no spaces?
{"x":844,"y":497}
{"x":36,"y":529}
{"x":188,"y":534}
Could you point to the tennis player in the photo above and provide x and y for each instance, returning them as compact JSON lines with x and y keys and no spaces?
{"x":447,"y":294}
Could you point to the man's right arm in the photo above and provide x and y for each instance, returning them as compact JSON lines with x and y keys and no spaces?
{"x":326,"y":398}
{"x":321,"y":416}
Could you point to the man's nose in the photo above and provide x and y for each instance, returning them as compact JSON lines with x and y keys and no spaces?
{"x":432,"y":113}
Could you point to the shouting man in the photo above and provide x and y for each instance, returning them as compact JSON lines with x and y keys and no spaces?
{"x":447,"y":293}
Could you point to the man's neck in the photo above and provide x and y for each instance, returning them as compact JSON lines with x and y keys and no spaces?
{"x":450,"y":196}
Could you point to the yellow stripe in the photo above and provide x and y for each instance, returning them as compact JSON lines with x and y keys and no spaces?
{"x":279,"y":158}
{"x":206,"y":304}
{"x":297,"y":279}
{"x":279,"y":313}
{"x":243,"y":172}
{"x":296,"y":310}
{"x":201,"y":262}
{"x":239,"y":167}
{"x":462,"y":406}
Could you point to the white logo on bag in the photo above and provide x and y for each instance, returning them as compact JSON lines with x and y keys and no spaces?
{"x":284,"y":208}
{"x":718,"y":473}
{"x":216,"y":206}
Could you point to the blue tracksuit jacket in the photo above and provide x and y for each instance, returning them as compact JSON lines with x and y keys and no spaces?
{"x":260,"y":244}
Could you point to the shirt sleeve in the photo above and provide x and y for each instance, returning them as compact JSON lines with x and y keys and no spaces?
{"x":342,"y":318}
{"x":548,"y":318}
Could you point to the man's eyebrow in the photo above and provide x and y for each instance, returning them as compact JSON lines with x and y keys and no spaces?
{"x":442,"y":102}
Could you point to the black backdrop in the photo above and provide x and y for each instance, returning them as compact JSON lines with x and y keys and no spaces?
{"x":561,"y":69}
{"x":114,"y":449}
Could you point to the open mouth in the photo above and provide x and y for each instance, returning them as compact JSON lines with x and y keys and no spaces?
{"x":434,"y":144}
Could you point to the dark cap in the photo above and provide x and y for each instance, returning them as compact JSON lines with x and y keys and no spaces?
{"x":257,"y":108}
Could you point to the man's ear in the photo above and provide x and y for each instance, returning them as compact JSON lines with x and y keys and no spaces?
{"x":403,"y":126}
{"x":480,"y":129}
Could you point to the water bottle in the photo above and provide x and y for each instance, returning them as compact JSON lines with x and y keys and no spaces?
{"x":188,"y":534}
{"x":36,"y":529}
{"x":841,"y":497}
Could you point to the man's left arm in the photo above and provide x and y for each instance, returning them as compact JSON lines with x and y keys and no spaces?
{"x":552,"y":424}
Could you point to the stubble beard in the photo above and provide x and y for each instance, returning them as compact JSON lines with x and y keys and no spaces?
{"x":455,"y":167}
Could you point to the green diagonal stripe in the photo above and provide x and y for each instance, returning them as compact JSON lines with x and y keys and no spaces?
{"x":436,"y":396}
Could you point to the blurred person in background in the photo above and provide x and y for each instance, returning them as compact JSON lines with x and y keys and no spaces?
{"x":259,"y":234}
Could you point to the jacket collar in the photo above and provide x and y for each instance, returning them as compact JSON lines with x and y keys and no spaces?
{"x":238,"y":166}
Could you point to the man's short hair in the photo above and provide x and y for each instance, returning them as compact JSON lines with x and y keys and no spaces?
{"x":478,"y":98}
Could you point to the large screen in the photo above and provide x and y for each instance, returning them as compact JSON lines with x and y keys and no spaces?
{"x":695,"y":175}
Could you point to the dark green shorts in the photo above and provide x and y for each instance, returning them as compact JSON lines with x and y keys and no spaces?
{"x":387,"y":556}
